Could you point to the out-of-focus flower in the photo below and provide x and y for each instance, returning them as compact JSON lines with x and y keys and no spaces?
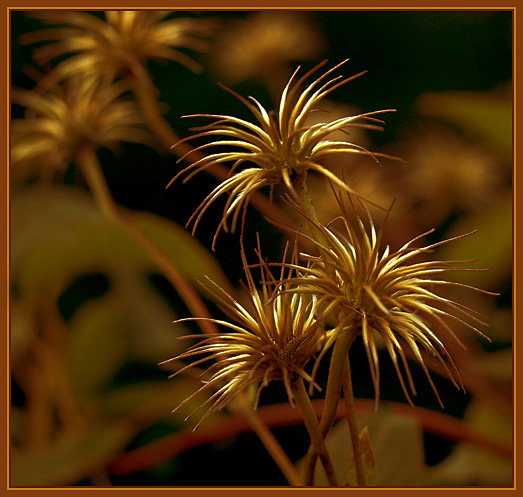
{"x":448,"y":173}
{"x":264,"y":45}
{"x":372,"y":183}
{"x":83,"y":111}
{"x":272,"y":339}
{"x":330,"y":111}
{"x":281,"y":147}
{"x":110,"y":47}
{"x":385,"y":297}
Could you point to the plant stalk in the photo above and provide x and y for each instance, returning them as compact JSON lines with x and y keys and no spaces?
{"x":311,"y":422}
{"x":91,"y":169}
{"x":332,"y":396}
{"x":350,"y":413}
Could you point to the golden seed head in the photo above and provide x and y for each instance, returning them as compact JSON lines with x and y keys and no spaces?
{"x":279,"y":147}
{"x":264,"y":44}
{"x":387,"y":297}
{"x":272,"y":339}
{"x":110,"y":46}
{"x":83,"y":111}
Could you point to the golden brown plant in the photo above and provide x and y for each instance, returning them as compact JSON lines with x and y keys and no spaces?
{"x":272,"y":339}
{"x":109,"y":47}
{"x":386,"y":297}
{"x":448,"y":173}
{"x":83,"y":111}
{"x":278,"y":148}
{"x":263,"y":46}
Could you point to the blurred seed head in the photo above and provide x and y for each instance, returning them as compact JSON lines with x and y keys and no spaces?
{"x":264,"y":44}
{"x":108,"y":47}
{"x":447,"y":173}
{"x":83,"y":111}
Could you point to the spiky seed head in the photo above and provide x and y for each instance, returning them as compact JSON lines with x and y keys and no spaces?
{"x":279,"y":147}
{"x":81,"y":111}
{"x":385,"y":297}
{"x":272,"y":339}
{"x":109,"y":46}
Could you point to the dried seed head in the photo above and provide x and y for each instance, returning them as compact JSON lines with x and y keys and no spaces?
{"x":385,"y":296}
{"x":108,"y":47}
{"x":274,"y":339}
{"x":82,"y":111}
{"x":281,"y":146}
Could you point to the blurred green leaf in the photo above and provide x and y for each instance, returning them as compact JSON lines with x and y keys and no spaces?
{"x":17,"y":425}
{"x":97,"y":347}
{"x":71,"y":458}
{"x":150,"y":401}
{"x":22,"y":330}
{"x":496,"y":366}
{"x":59,"y":233}
{"x":472,"y":465}
{"x":491,"y":245}
{"x":397,"y":443}
{"x":151,"y":334}
{"x":487,"y":115}
{"x":368,"y":462}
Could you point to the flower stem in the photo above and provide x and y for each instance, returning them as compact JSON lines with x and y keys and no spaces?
{"x":343,"y":342}
{"x":311,"y":422}
{"x":145,"y":93}
{"x":332,"y":395}
{"x":299,"y":183}
{"x":350,"y":413}
{"x":273,"y":447}
{"x":91,"y":169}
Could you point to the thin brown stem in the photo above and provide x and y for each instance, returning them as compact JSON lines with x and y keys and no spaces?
{"x":311,"y":422}
{"x":350,"y":413}
{"x":332,"y":396}
{"x":305,"y":202}
{"x":91,"y":168}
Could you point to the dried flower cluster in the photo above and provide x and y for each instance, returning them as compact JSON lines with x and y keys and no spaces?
{"x":388,"y":298}
{"x":280,"y":147}
{"x":271,"y":339}
{"x":292,"y":312}
{"x":84,"y":111}
{"x":109,"y":47}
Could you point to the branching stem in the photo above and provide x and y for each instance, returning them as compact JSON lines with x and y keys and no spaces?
{"x":350,"y":413}
{"x":91,"y":169}
{"x":311,"y":422}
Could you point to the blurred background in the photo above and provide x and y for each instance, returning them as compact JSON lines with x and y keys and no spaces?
{"x":91,"y":312}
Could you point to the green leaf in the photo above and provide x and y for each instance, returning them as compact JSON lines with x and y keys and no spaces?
{"x":491,"y":245}
{"x":151,"y":334}
{"x":395,"y":440}
{"x":23,"y":330}
{"x":59,"y":233}
{"x":469,"y":464}
{"x":71,"y":458}
{"x":150,"y":401}
{"x":486,"y":115}
{"x":368,"y":462}
{"x":97,"y":347}
{"x":497,"y":366}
